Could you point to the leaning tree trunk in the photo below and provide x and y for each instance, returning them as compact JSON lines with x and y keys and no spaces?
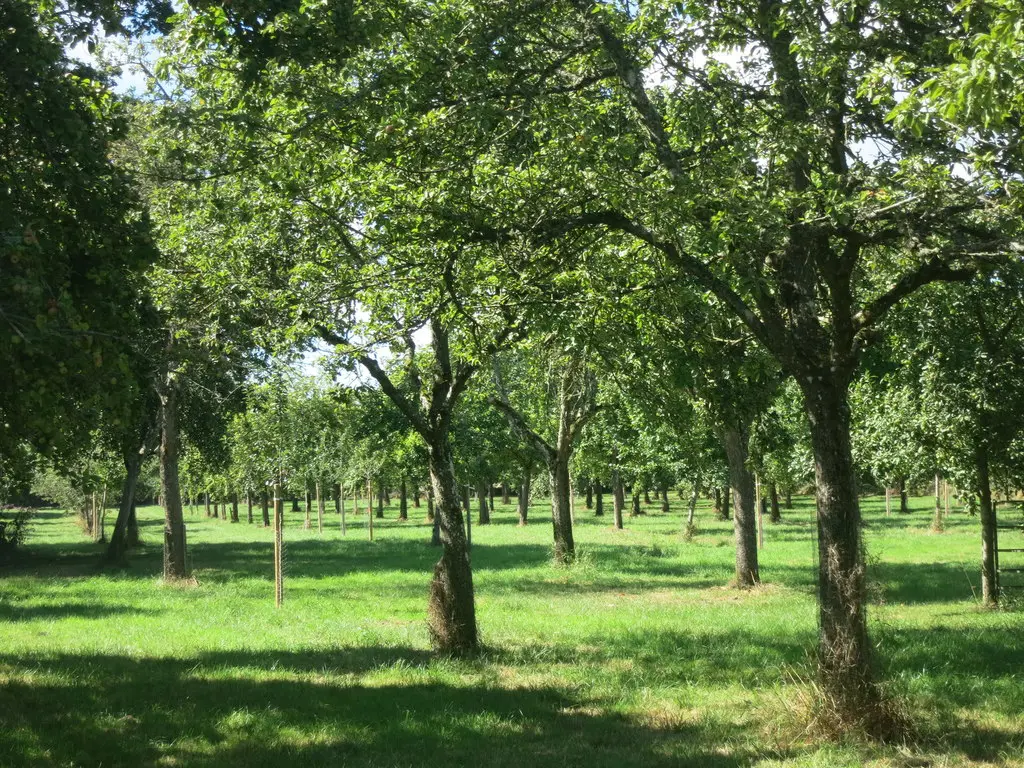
{"x":175,"y":563}
{"x":524,"y":497}
{"x":735,"y":440}
{"x":618,"y":499}
{"x":845,"y":673}
{"x":451,"y":612}
{"x":989,"y":586}
{"x":119,"y":543}
{"x":561,"y":511}
{"x":484,"y":515}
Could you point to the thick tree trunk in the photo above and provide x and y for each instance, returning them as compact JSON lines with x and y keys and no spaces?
{"x":451,"y":612}
{"x":175,"y":560}
{"x":598,"y":499}
{"x":430,"y":508}
{"x":561,"y":512}
{"x":484,"y":514}
{"x":845,"y":672}
{"x":736,"y":440}
{"x":524,"y":497}
{"x":989,"y":537}
{"x":773,"y":496}
{"x":403,"y":501}
{"x":132,"y":532}
{"x":618,"y":499}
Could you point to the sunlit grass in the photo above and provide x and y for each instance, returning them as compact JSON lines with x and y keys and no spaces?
{"x":640,"y":654}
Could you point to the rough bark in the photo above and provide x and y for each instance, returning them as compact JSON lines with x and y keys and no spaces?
{"x":844,"y":652}
{"x":647,"y":497}
{"x":451,"y":613}
{"x":735,"y":440}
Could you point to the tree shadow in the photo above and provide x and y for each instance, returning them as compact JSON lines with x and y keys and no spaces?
{"x":67,"y":610}
{"x":235,"y":710}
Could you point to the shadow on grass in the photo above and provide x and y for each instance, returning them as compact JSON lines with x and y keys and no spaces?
{"x":300,"y":709}
{"x":69,"y":610}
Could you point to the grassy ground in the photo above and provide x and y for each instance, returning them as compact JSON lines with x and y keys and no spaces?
{"x":640,"y":655}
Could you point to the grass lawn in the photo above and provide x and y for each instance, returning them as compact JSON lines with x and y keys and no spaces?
{"x":639,"y":655}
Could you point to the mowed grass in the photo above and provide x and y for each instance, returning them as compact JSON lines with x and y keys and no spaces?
{"x":639,"y":655}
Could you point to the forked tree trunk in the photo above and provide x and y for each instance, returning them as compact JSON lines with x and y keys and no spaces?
{"x":175,"y":559}
{"x":524,"y":497}
{"x":451,"y":613}
{"x":618,"y":499}
{"x":989,"y":586}
{"x":845,"y":672}
{"x":118,"y":545}
{"x":598,"y":499}
{"x":735,"y":440}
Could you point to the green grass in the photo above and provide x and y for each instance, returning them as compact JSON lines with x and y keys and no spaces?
{"x":639,"y":655}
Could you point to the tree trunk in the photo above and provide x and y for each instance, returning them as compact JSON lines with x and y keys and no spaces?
{"x":773,"y":494}
{"x":664,"y":500}
{"x":430,"y":509}
{"x":618,"y":499}
{"x":451,"y":612}
{"x":308,"y":523}
{"x":175,"y":561}
{"x":206,"y":503}
{"x":845,"y":672}
{"x":248,"y":507}
{"x":380,"y":501}
{"x":691,"y":510}
{"x":403,"y":500}
{"x":561,"y":512}
{"x":904,"y":507}
{"x":736,"y":440}
{"x":718,"y":504}
{"x":319,"y":507}
{"x":598,"y":499}
{"x":416,"y":494}
{"x":590,"y":494}
{"x":647,"y":497}
{"x":265,"y":508}
{"x":341,"y":507}
{"x":937,"y":518}
{"x":132,"y":530}
{"x":524,"y":497}
{"x":504,"y":494}
{"x":484,"y":515}
{"x":989,"y":585}
{"x":490,"y":499}
{"x":635,"y":509}
{"x":234,"y":507}
{"x":789,"y":498}
{"x":726,"y":501}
